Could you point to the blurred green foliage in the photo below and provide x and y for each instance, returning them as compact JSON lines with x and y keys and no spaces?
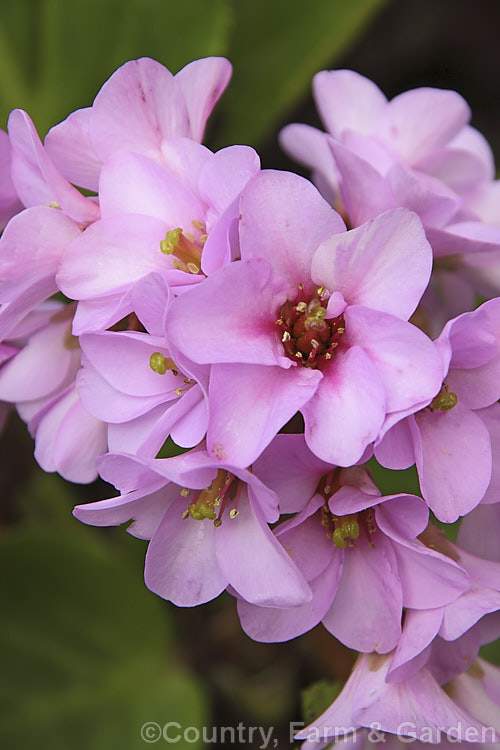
{"x":317,"y":698}
{"x":55,"y":55}
{"x":88,"y":650}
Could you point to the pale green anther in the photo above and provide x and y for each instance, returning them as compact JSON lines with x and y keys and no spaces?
{"x":171,"y":240}
{"x":158,"y":363}
{"x":315,"y":313}
{"x":338,"y":539}
{"x":350,"y":529}
{"x":444,"y":401}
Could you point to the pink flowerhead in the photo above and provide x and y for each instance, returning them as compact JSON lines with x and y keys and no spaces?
{"x":312,"y":319}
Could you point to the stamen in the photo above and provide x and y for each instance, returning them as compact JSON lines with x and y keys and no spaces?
{"x":158,"y":363}
{"x":445,"y":400}
{"x":169,"y":244}
{"x":185,"y":249}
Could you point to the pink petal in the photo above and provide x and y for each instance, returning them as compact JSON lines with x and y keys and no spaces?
{"x":249,"y":404}
{"x":289,"y":468}
{"x":105,"y":258}
{"x":347,"y":100}
{"x":202,"y":82}
{"x":255,"y":563}
{"x":418,"y":121}
{"x":70,"y":147}
{"x":138,"y":106}
{"x":275,"y":625}
{"x":69,"y":440}
{"x":366,"y":612}
{"x":181,"y":565}
{"x":406,"y":360}
{"x":453,"y":461}
{"x":134,"y":184}
{"x":36,"y":178}
{"x":395,"y":450}
{"x":384,"y":264}
{"x":366,"y":193}
{"x":219,"y":321}
{"x":284,"y":219}
{"x":46,"y":364}
{"x":420,"y":628}
{"x":146,"y":507}
{"x":347,"y":410}
{"x":34,"y":239}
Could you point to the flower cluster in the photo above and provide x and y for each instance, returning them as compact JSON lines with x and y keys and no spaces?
{"x":272,"y":335}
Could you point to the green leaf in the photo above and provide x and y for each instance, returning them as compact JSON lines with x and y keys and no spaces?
{"x":317,"y":697}
{"x":392,"y":482}
{"x":55,"y":55}
{"x":84,"y":648}
{"x":276,"y":48}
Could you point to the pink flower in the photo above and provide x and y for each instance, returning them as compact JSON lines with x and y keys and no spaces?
{"x":358,"y":551}
{"x":9,"y":201}
{"x":453,"y":438}
{"x":130,"y":380}
{"x":136,"y":109}
{"x":40,"y":381}
{"x":208,"y":526}
{"x":415,"y":151}
{"x":173,"y":216}
{"x":417,"y":707}
{"x":312,"y":319}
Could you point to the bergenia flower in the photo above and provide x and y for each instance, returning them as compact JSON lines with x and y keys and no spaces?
{"x":312,"y":319}
{"x":172,"y":216}
{"x":453,"y":438}
{"x":130,"y":380}
{"x":416,"y":151}
{"x":450,"y":635}
{"x":208,"y":526}
{"x":416,"y":708}
{"x":358,"y":550}
{"x":136,"y":109}
{"x":9,"y":200}
{"x":40,"y":381}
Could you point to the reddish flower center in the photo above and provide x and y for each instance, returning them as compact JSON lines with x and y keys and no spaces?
{"x":306,"y":334}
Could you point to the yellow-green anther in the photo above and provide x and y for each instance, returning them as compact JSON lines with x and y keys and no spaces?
{"x":158,"y":363}
{"x":444,"y":401}
{"x":350,"y":529}
{"x":196,"y":513}
{"x":338,"y":539}
{"x":171,"y":240}
{"x":207,"y":511}
{"x":233,"y":513}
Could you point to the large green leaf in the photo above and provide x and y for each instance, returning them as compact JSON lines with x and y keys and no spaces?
{"x":55,"y":55}
{"x":276,"y":47}
{"x":84,"y":647}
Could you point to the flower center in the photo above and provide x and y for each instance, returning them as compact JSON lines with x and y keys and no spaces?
{"x":185,"y":248}
{"x":223,"y":492}
{"x":343,"y":530}
{"x":306,"y":334}
{"x":445,"y":399}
